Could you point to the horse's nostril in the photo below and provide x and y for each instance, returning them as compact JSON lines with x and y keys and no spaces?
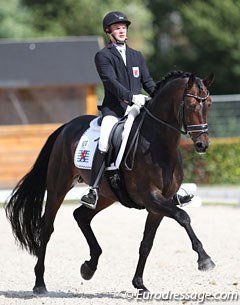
{"x":200,"y":146}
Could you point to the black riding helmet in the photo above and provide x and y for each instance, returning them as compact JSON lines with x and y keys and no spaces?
{"x":112,"y":18}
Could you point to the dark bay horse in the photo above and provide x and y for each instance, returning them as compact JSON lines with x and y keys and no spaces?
{"x":181,"y":102}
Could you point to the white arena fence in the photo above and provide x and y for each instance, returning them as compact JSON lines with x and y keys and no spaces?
{"x":224,"y":116}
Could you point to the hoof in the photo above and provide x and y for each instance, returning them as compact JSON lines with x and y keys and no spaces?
{"x":206,"y":265}
{"x":86,"y":272}
{"x":39,"y":290}
{"x":138,"y":284}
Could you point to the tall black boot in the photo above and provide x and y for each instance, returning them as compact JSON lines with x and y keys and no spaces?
{"x":90,"y":199}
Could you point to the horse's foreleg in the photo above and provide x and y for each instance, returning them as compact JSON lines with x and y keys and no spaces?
{"x":152,"y":223}
{"x":181,"y":216}
{"x":83,"y":217}
{"x":204,"y":260}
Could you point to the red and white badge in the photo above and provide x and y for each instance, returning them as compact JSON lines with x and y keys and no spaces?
{"x":135,"y":71}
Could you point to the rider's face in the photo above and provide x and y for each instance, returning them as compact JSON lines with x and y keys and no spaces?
{"x":119,"y":31}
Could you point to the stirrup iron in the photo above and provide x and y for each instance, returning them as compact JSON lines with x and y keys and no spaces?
{"x":85,"y":195}
{"x":182,"y":204}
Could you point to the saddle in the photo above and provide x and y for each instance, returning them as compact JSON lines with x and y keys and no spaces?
{"x":115,"y":177}
{"x":87,"y":145}
{"x":119,"y":136}
{"x":88,"y":142}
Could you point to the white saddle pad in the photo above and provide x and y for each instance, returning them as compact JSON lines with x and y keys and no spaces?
{"x":84,"y":153}
{"x":87,"y":145}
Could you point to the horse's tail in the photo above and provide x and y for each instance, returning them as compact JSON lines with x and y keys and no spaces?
{"x":24,"y":206}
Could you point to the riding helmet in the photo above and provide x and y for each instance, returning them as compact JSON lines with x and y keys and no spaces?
{"x":114,"y":17}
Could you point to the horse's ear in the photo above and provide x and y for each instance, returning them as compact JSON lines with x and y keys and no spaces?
{"x":208,"y":80}
{"x":191,"y":80}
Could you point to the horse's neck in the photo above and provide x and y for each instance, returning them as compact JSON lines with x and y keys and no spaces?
{"x":158,"y":137}
{"x":165,"y":107}
{"x":168,"y":100}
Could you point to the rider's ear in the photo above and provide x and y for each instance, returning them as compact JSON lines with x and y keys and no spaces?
{"x":208,"y":80}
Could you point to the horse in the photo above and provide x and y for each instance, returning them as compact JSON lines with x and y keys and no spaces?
{"x":179,"y":105}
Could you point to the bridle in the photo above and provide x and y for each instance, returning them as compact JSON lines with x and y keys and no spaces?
{"x":200,"y":128}
{"x":188,"y":129}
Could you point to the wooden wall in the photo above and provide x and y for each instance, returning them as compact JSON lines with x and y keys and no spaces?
{"x":28,"y":116}
{"x":19,"y":148}
{"x":46,"y":104}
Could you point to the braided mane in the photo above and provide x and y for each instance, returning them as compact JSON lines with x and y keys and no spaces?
{"x":170,"y":76}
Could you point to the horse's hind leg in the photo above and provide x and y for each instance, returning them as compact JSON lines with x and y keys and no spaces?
{"x":151,"y":226}
{"x":47,"y":228}
{"x":83,"y":217}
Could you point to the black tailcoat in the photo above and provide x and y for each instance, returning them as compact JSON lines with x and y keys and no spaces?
{"x":122,"y":81}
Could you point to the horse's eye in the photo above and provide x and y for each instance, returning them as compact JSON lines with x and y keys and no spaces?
{"x":209,"y":103}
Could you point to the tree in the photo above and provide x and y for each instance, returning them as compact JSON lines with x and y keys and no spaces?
{"x":78,"y":18}
{"x":14,"y":20}
{"x":212,"y":29}
{"x":198,"y":36}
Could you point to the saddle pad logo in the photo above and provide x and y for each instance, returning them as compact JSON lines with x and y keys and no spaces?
{"x":136,"y":71}
{"x":85,"y":150}
{"x":83,"y":156}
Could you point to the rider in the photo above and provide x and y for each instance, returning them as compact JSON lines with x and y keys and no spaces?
{"x":123,"y":72}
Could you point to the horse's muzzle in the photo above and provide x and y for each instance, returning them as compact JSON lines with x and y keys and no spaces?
{"x":201,"y":146}
{"x":199,"y":136}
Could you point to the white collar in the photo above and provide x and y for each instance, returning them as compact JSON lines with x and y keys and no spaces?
{"x":120,"y":47}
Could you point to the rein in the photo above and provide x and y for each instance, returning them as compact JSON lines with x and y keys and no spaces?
{"x":163,"y":122}
{"x":134,"y":143}
{"x":187,"y":128}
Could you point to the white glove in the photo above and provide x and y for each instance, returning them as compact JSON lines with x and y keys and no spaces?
{"x":139,"y":99}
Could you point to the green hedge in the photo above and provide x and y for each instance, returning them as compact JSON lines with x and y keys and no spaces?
{"x":220,"y":164}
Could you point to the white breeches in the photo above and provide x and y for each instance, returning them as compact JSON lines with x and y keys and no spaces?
{"x":109,"y":121}
{"x":107,"y":125}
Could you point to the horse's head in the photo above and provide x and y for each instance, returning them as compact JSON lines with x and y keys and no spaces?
{"x":194,"y":112}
